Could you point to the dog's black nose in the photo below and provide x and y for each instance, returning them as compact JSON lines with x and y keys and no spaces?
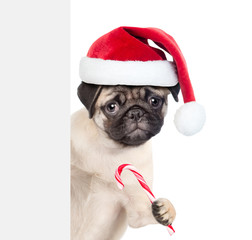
{"x":135,"y":114}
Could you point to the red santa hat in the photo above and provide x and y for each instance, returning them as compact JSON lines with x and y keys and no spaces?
{"x":124,"y":57}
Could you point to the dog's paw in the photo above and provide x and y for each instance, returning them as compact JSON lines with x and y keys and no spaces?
{"x":163,"y":211}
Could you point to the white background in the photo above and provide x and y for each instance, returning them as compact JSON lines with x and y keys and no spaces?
{"x":208,"y":176}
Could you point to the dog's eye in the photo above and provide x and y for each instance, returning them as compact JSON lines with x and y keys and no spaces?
{"x":112,"y":107}
{"x":155,"y":102}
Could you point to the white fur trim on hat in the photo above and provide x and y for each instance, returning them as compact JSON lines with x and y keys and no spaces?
{"x":190,"y":118}
{"x":110,"y":72}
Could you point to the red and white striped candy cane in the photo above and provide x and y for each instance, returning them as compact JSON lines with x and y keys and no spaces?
{"x":142,"y":183}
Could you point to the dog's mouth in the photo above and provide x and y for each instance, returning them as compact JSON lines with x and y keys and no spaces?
{"x":135,"y":133}
{"x":136,"y":137}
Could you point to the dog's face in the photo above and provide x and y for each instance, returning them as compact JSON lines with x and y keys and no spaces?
{"x":131,"y":115}
{"x":128,"y":115}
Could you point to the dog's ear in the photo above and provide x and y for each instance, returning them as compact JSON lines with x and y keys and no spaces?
{"x":88,"y":94}
{"x":175,"y":91}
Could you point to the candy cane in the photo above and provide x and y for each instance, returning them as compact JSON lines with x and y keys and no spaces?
{"x":142,"y":183}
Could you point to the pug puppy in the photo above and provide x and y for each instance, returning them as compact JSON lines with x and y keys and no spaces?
{"x":114,"y":128}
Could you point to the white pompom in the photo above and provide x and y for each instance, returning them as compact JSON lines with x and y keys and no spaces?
{"x":190,"y":118}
